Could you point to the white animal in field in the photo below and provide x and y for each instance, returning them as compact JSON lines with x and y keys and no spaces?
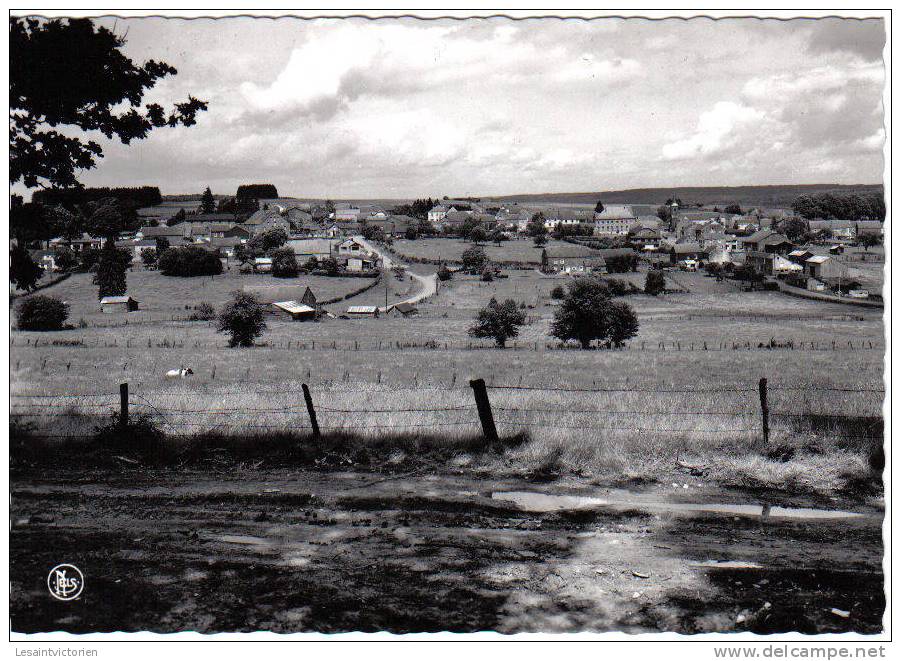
{"x":179,"y":373}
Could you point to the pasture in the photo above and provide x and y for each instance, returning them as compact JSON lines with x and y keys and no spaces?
{"x":685,"y":386}
{"x":515,"y":250}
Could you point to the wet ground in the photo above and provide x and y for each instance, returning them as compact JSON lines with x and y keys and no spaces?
{"x":236,"y":549}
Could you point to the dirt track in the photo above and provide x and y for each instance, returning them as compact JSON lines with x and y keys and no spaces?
{"x":233,"y":549}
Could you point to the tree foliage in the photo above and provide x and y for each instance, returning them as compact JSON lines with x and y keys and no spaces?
{"x":444,"y":273}
{"x":284,"y":264}
{"x":189,"y":261}
{"x":24,"y":273}
{"x":265,"y":242}
{"x":474,"y":260}
{"x":71,"y":74}
{"x":654,"y":283}
{"x":41,"y":313}
{"x":207,"y":201}
{"x":112,"y":269}
{"x":535,"y":227}
{"x":500,"y":321}
{"x":587,"y":313}
{"x":733,"y":209}
{"x":242,"y":319}
{"x":828,"y":206}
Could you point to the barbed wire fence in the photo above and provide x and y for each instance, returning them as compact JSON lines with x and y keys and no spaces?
{"x":473,"y":412}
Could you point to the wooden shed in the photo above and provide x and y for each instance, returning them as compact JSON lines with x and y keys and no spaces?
{"x":297,"y":311}
{"x":363,"y":311}
{"x":112,"y":304}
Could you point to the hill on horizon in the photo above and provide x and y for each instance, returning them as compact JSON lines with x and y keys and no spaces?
{"x":765,"y":196}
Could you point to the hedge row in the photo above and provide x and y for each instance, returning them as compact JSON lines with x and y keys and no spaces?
{"x":355,"y":292}
{"x":49,"y":283}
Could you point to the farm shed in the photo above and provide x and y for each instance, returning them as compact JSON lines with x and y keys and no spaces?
{"x":262,"y":264}
{"x":363,"y":311}
{"x":113,"y":304}
{"x":359,"y":264}
{"x":405,"y":309}
{"x":822,"y":267}
{"x":297,"y":311}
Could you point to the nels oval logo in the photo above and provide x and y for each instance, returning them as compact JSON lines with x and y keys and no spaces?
{"x":65,"y":582}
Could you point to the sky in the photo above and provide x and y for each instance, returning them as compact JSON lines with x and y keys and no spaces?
{"x":354,"y":108}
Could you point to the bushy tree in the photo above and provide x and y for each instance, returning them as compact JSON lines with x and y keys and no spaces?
{"x":66,"y":259}
{"x":733,"y":209}
{"x":558,"y":292}
{"x":444,"y":273}
{"x":41,"y":313}
{"x":474,"y":260}
{"x":148,"y":256}
{"x":207,"y":201}
{"x":330,"y":266}
{"x":599,"y":207}
{"x":795,"y":229}
{"x":112,"y":269}
{"x":103,"y":94}
{"x":410,"y":234}
{"x":622,"y":263}
{"x":284,"y":264}
{"x":373,"y":233}
{"x":497,"y":237}
{"x":177,"y":219}
{"x":264,"y":242}
{"x":242,"y":319}
{"x":88,"y":259}
{"x":539,"y":241}
{"x":654,"y":283}
{"x":500,"y":321}
{"x":189,"y":261}
{"x":587,"y":313}
{"x":869,"y":240}
{"x":535,"y":226}
{"x":477,"y":235}
{"x":487,"y":275}
{"x":24,"y":273}
{"x":161,"y":244}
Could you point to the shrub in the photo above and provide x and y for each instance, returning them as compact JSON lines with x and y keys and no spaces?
{"x":617,"y":286}
{"x":88,"y":259}
{"x":242,"y":319}
{"x":487,"y":275}
{"x":189,"y":261}
{"x":204,"y":312}
{"x":654,"y":283}
{"x":444,"y":273}
{"x":42,"y":313}
{"x":558,"y":292}
{"x":284,"y":264}
{"x":500,"y":321}
{"x":265,"y":242}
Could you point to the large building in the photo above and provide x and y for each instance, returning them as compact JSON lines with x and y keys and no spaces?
{"x":614,"y":220}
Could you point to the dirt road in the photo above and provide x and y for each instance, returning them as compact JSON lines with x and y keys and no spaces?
{"x":428,"y":283}
{"x":237,"y":549}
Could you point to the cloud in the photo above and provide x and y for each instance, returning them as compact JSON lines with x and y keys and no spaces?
{"x":718,"y":130}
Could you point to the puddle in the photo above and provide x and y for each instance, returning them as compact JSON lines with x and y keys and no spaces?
{"x":726,"y":564}
{"x":243,"y":540}
{"x":542,"y":502}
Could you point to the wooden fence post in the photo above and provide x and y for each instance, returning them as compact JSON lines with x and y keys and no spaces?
{"x":764,"y":412}
{"x":123,"y":404}
{"x":312,"y":412}
{"x":484,"y":408}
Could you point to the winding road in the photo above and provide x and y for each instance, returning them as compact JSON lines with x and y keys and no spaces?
{"x":428,"y":283}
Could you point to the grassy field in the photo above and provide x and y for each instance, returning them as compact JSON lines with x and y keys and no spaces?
{"x":686,"y":386}
{"x":168,"y":299}
{"x":516,"y":250}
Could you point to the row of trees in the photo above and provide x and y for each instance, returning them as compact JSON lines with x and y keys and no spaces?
{"x":587,"y":313}
{"x":827,"y":206}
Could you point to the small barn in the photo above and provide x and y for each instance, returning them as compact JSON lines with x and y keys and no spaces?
{"x":404,"y":310}
{"x":297,"y":311}
{"x":113,"y":304}
{"x":262,"y":264}
{"x":360,"y":264}
{"x":363,"y":311}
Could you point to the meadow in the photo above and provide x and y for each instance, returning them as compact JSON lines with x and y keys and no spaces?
{"x":684,"y":389}
{"x":515,"y":250}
